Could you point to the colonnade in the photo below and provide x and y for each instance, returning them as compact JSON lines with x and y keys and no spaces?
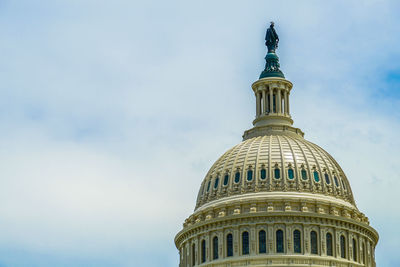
{"x":271,"y":100}
{"x":202,"y":249}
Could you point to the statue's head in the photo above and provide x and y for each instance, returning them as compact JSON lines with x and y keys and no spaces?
{"x":272,"y":24}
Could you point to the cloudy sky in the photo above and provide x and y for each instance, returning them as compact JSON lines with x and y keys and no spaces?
{"x":111,"y":113}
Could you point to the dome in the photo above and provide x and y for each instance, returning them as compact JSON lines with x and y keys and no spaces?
{"x":275,"y":163}
{"x":275,"y":199}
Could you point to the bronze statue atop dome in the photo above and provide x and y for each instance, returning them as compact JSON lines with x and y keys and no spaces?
{"x":271,"y":59}
{"x":271,"y":38}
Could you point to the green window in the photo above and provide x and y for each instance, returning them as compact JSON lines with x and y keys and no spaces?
{"x":208,"y":185}
{"x":277,"y":173}
{"x":262,"y":242}
{"x":290,"y":173}
{"x":303,"y":174}
{"x":263,"y":174}
{"x":316,"y":176}
{"x":229,"y":245}
{"x":226,"y":179}
{"x":193,"y":254}
{"x":342,"y":247}
{"x":327,"y":180}
{"x":364,"y":254}
{"x":336,"y":181}
{"x":203,"y":251}
{"x":297,"y":241}
{"x":314,"y":242}
{"x":215,"y":248}
{"x":354,"y":250}
{"x":329,"y":246}
{"x":216,"y":182}
{"x":249,"y":175}
{"x":279,"y":241}
{"x":237,"y":177}
{"x":245,"y":243}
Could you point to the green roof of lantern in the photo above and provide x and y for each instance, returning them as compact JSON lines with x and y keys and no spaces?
{"x":271,"y":66}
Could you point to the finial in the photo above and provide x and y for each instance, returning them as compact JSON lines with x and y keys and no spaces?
{"x":272,"y":60}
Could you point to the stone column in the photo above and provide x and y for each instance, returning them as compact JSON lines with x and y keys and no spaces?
{"x":220,"y":245}
{"x":252,"y":241}
{"x":236,"y":241}
{"x":271,"y":100}
{"x":264,"y":99}
{"x":208,"y":247}
{"x":270,"y":239}
{"x":286,"y":105}
{"x":258,"y":102}
{"x":279,"y":101}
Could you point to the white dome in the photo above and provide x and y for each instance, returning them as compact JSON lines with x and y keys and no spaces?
{"x":275,"y":199}
{"x":274,"y":163}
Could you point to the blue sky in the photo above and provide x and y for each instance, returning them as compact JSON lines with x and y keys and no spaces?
{"x":111,"y":113}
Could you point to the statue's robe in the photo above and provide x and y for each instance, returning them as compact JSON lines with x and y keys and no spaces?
{"x":271,"y":39}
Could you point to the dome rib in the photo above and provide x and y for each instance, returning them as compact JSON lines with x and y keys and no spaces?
{"x":269,"y":162}
{"x":306,"y":167}
{"x":314,"y":183}
{"x":283,"y":172}
{"x":294,"y":162}
{"x":257,"y":166}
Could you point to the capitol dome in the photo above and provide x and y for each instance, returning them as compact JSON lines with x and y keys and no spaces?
{"x":276,"y":199}
{"x":275,"y":163}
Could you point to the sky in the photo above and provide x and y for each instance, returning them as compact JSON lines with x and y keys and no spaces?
{"x":112,"y":112}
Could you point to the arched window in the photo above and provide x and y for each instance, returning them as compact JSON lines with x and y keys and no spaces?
{"x":229,"y":245}
{"x":329,"y":245}
{"x":303,"y":174}
{"x":237,"y":177}
{"x":249,"y":175}
{"x":297,"y":241}
{"x":216,"y":183}
{"x":354,"y":250}
{"x":314,"y":242}
{"x":208,"y":185}
{"x":316,"y":176}
{"x":245,"y":243}
{"x":274,"y":102}
{"x":279,"y":241}
{"x":290,"y":173}
{"x":203,"y":251}
{"x":262,"y":242}
{"x":364,"y":253}
{"x":344,"y":185}
{"x":342,"y":247}
{"x":226,"y":179}
{"x":327,"y":180}
{"x":263,"y":174}
{"x":215,"y":248}
{"x":336,"y":181}
{"x":193,"y":254}
{"x":277,"y":173}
